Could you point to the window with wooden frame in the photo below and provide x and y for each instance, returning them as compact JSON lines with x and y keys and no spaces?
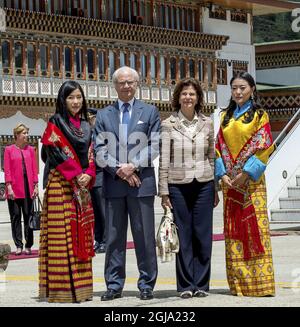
{"x":173,"y":70}
{"x":173,"y":17}
{"x":80,"y":63}
{"x":69,"y":62}
{"x":153,"y":68}
{"x":183,"y":19}
{"x":163,"y":70}
{"x":201,"y":70}
{"x":19,"y":58}
{"x":217,"y":12}
{"x":123,"y":58}
{"x":91,"y":62}
{"x":148,"y":13}
{"x":44,"y":60}
{"x":31,"y":59}
{"x":182,"y":68}
{"x":56,"y":61}
{"x":192,"y":70}
{"x":239,"y":67}
{"x":133,"y":61}
{"x":239,"y":16}
{"x":210,"y":72}
{"x":6,"y":51}
{"x":144,"y":68}
{"x":222,"y":72}
{"x":102,"y":65}
{"x":112,"y":63}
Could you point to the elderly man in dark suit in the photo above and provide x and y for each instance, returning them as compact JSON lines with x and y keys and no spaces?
{"x":127,"y":142}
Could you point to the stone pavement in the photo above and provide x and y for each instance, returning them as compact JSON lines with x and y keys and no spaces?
{"x":19,"y":283}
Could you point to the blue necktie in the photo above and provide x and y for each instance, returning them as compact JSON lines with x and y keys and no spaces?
{"x":126,"y":117}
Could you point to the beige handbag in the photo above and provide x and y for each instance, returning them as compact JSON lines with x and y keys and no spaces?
{"x":167,"y":239}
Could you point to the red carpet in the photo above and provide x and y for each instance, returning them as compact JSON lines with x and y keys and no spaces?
{"x":130,"y":245}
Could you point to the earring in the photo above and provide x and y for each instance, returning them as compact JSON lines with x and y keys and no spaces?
{"x":252,"y":97}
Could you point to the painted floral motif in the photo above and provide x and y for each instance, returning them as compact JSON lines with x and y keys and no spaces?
{"x":259,"y":141}
{"x":68,"y":152}
{"x":54,"y":137}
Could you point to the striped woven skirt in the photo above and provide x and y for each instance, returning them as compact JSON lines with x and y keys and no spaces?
{"x":254,"y":277}
{"x":62,"y":276}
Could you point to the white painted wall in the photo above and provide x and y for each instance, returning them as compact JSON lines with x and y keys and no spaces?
{"x":280,"y":76}
{"x":238,"y":32}
{"x":238,"y":47}
{"x":36,"y":126}
{"x":279,"y":162}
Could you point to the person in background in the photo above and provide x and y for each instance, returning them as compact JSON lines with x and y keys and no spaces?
{"x":21,"y":179}
{"x":97,"y":198}
{"x":67,"y":223}
{"x":244,"y":144}
{"x":186,"y":185}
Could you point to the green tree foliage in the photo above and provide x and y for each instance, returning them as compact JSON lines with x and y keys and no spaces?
{"x":274,"y":27}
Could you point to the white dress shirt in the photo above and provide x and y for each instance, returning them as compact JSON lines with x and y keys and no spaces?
{"x":121,"y":108}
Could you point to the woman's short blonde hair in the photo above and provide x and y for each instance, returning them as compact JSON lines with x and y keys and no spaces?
{"x":19,"y":129}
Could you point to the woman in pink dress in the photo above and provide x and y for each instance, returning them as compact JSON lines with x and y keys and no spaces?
{"x":21,"y":179}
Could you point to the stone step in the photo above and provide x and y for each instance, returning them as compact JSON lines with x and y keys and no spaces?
{"x":293,"y":191}
{"x":289,"y":203}
{"x":286,"y":215}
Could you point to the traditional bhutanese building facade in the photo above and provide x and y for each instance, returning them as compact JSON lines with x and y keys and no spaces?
{"x":45,"y":42}
{"x":277,"y":73}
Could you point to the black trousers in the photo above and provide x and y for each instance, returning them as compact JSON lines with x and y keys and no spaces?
{"x":141,"y":215}
{"x":98,"y":202}
{"x":193,"y":209}
{"x":16,"y":208}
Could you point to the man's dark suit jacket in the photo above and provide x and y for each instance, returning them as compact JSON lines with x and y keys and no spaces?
{"x":144,"y":120}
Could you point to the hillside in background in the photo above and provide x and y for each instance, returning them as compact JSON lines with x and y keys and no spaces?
{"x":270,"y":28}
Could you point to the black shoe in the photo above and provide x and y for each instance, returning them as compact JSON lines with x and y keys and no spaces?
{"x":100,"y":248}
{"x":200,"y":293}
{"x":96,"y":245}
{"x":111,"y":295}
{"x":146,"y":294}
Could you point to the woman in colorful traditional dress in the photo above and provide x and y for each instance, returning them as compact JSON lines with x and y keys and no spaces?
{"x":244,"y":144}
{"x":67,"y":224}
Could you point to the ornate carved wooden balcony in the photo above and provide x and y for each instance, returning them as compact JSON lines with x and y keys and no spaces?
{"x":92,"y":28}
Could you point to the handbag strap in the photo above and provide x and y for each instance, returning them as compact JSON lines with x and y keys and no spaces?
{"x":37,"y":204}
{"x":168,"y":212}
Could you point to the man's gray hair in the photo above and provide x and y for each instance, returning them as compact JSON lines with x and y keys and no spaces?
{"x":125,"y":69}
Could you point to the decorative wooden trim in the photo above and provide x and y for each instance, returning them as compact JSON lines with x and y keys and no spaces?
{"x":44,"y":108}
{"x":217,"y":13}
{"x":239,"y":16}
{"x":139,"y":34}
{"x":239,"y":66}
{"x":221,"y":72}
{"x":277,"y":60}
{"x":280,"y":104}
{"x":280,"y":101}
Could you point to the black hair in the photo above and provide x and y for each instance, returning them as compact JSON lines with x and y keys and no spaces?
{"x":255,"y":101}
{"x":61,"y":107}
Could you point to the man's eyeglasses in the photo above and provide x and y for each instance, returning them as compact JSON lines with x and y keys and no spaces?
{"x":129,"y":83}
